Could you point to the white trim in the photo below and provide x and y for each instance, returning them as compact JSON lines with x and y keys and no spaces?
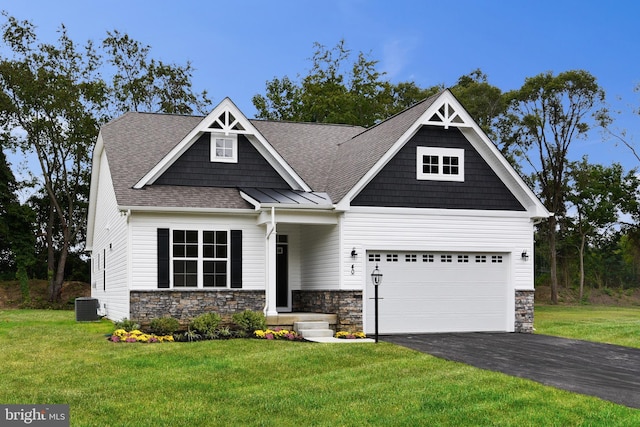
{"x":183,"y":210}
{"x":440,"y":212}
{"x":232,"y":139}
{"x":93,"y":190}
{"x":226,"y":107}
{"x":200,"y":259}
{"x":478,"y":139}
{"x":440,"y":153}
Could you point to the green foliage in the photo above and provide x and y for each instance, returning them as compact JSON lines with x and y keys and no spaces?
{"x":205,"y":323}
{"x":164,"y":326}
{"x":338,"y":89}
{"x":484,"y":102}
{"x":249,"y":321}
{"x":126,"y":324}
{"x":141,"y":83}
{"x":53,"y":99}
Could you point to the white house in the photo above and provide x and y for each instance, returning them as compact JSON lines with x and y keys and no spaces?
{"x":223,"y":213}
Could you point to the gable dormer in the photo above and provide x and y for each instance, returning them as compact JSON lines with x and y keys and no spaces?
{"x":432,"y":155}
{"x":213,"y":148}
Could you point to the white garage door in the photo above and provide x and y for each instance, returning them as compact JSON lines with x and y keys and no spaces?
{"x":438,"y":292}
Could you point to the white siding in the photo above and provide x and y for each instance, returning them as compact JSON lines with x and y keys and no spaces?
{"x":110,"y":250}
{"x":320,"y":257}
{"x":368,"y":229}
{"x":144,"y":273}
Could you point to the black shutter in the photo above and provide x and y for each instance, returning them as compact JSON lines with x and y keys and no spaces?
{"x":163,"y":257}
{"x":236,"y":258}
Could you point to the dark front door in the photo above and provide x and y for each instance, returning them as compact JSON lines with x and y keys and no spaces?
{"x":282,"y":273}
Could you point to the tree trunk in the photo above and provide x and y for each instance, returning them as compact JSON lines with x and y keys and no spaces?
{"x":553,"y":260}
{"x":582,"y":242}
{"x":51,"y":261}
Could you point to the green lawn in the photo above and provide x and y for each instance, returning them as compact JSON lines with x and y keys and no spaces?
{"x":47,"y":357}
{"x":613,"y":325}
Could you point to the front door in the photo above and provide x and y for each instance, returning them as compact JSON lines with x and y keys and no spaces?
{"x":283,"y":295}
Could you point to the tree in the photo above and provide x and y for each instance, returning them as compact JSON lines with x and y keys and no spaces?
{"x":50,"y":102}
{"x":543,"y":118}
{"x":16,"y":228}
{"x":483,"y":101}
{"x":598,"y":195}
{"x":338,"y":89}
{"x":145,"y":84}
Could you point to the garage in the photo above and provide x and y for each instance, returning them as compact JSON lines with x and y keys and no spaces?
{"x":439,"y":292}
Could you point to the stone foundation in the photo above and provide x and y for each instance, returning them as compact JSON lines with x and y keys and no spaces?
{"x":346,"y":304}
{"x":185,"y":305}
{"x":524,"y":312}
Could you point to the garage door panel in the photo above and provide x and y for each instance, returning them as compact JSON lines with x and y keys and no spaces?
{"x":431,"y":292}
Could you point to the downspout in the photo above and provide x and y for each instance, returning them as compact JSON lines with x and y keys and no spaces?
{"x":270,"y":231}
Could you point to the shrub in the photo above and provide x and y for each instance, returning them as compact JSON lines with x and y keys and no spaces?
{"x":164,"y":326}
{"x":250,"y":321}
{"x":127,"y":325}
{"x":205,"y":324}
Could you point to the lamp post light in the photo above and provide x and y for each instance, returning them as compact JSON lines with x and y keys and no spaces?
{"x":376,"y":279}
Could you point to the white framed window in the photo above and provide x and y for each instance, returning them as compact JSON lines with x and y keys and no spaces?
{"x":439,"y":164}
{"x":200,"y":259}
{"x":224,"y":148}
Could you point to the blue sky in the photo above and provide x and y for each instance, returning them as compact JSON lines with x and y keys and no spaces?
{"x":236,"y":46}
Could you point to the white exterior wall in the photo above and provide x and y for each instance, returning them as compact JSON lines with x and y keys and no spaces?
{"x":143,"y":237}
{"x":370,"y":229}
{"x":110,"y":251}
{"x":320,"y":257}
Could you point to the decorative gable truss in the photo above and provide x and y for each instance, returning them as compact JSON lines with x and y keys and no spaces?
{"x":446,"y":111}
{"x":225,"y":123}
{"x":446,"y":115}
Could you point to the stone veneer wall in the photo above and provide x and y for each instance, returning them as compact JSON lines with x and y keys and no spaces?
{"x":346,"y":304}
{"x":524,"y":312}
{"x":185,"y":305}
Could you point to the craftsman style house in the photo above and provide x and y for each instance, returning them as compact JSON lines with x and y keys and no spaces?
{"x":223,"y":213}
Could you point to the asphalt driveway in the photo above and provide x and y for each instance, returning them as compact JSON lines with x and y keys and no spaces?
{"x":606,"y":371}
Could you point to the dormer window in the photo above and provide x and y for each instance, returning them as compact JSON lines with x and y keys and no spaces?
{"x":224,"y":148}
{"x":440,"y":164}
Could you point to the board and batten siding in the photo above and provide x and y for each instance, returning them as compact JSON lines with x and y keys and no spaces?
{"x":110,"y":250}
{"x":144,"y":226}
{"x":384,"y":229}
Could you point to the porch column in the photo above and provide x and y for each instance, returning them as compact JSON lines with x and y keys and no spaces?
{"x":271,"y":267}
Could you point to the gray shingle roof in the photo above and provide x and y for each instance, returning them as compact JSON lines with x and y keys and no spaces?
{"x":308,"y":147}
{"x":355,"y":157}
{"x":329,"y":158}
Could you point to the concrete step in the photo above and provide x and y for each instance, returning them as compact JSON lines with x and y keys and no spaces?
{"x":313,"y":329}
{"x":310,"y":325}
{"x":316,"y":333}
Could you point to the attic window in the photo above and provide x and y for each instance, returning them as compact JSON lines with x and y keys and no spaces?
{"x":224,"y":148}
{"x":439,"y":164}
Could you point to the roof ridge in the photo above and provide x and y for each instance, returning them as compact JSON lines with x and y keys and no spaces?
{"x":305,"y":123}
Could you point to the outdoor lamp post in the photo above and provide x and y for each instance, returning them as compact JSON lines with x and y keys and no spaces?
{"x":376,"y":279}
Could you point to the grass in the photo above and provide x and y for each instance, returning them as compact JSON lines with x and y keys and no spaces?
{"x":47,"y":357}
{"x":613,"y":325}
